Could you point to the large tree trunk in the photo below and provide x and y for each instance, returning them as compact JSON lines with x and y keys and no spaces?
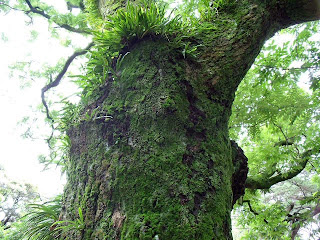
{"x":163,"y":166}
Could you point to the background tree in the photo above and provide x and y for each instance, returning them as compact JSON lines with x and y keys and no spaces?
{"x":14,"y":197}
{"x":150,"y":154}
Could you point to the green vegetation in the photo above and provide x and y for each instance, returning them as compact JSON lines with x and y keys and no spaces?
{"x":14,"y":197}
{"x":147,"y":149}
{"x":277,"y":124}
{"x":43,"y":221}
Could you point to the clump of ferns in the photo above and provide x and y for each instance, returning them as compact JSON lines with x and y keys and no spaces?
{"x":43,"y":222}
{"x":68,"y":226}
{"x":136,"y":21}
{"x":41,"y":218}
{"x":124,"y":28}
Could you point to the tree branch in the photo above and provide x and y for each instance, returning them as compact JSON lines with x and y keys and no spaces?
{"x":41,"y":12}
{"x":266,"y":183}
{"x":57,"y":80}
{"x":288,"y":69}
{"x":292,"y":12}
{"x":12,"y":8}
{"x":250,"y":207}
{"x":256,"y":21}
{"x":284,"y":143}
{"x":71,"y":6}
{"x":253,"y":211}
{"x":297,"y":220}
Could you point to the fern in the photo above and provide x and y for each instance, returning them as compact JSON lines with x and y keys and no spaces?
{"x":39,"y":221}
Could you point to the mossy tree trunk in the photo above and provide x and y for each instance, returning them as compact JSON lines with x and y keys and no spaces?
{"x":163,"y":166}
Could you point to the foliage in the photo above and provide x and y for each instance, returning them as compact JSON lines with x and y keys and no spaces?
{"x":136,"y":22}
{"x":274,"y":215}
{"x":39,"y":223}
{"x":1,"y":232}
{"x":69,"y":21}
{"x":277,"y":125}
{"x":14,"y":197}
{"x":112,"y":44}
{"x":43,"y":221}
{"x":70,"y":225}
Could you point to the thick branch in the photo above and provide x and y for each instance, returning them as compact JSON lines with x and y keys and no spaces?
{"x":57,"y":80}
{"x":252,"y":22}
{"x":297,"y":11}
{"x":266,"y":183}
{"x":39,"y":11}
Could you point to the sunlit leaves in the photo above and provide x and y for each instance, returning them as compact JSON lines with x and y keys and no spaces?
{"x":43,"y":221}
{"x":33,"y":35}
{"x":276,"y":120}
{"x":14,"y":196}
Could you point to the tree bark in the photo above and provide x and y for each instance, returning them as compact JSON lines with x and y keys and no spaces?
{"x":162,"y":166}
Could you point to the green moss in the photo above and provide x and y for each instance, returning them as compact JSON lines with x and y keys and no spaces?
{"x":162,"y":165}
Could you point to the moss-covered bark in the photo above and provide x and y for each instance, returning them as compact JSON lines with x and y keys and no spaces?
{"x":161,"y":165}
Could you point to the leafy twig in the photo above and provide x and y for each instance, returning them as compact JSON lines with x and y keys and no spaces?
{"x":12,"y":8}
{"x":288,"y":69}
{"x":41,"y":12}
{"x":251,"y":210}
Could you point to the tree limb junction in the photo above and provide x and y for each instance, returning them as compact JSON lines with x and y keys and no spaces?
{"x":266,"y":183}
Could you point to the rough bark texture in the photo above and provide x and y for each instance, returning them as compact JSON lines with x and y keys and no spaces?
{"x":163,"y":166}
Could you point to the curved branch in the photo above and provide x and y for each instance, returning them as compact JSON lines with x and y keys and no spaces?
{"x":12,"y":8}
{"x":266,"y":183}
{"x":57,"y":80}
{"x":253,"y":211}
{"x":250,"y":207}
{"x":41,"y":12}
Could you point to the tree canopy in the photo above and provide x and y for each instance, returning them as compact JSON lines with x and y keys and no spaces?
{"x":278,"y":122}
